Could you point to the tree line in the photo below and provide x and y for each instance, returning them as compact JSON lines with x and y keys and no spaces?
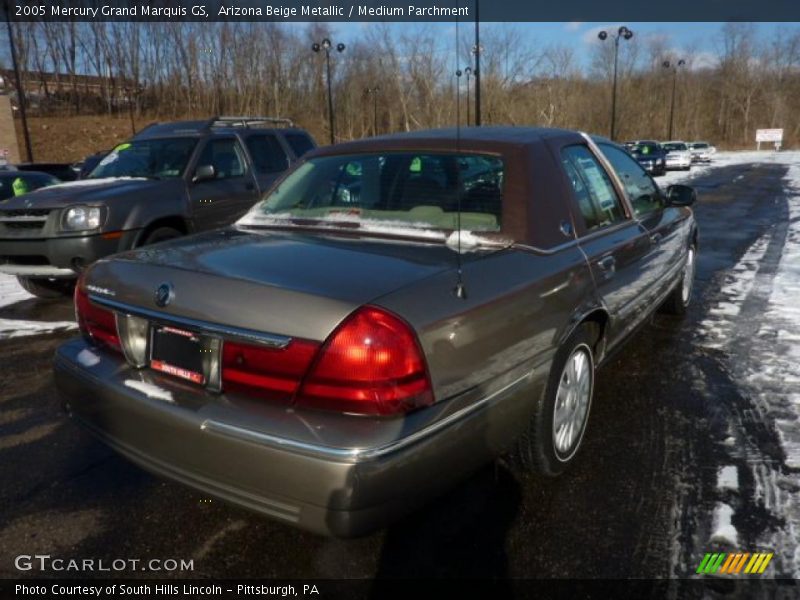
{"x":394,"y":79}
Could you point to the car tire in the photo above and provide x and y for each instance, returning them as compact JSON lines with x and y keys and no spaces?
{"x":160,"y":234}
{"x":49,"y":289}
{"x":544,"y":447}
{"x":677,"y":303}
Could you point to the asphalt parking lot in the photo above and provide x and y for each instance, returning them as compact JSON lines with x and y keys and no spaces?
{"x":640,"y":503}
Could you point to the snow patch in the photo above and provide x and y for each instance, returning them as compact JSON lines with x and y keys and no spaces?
{"x":728,"y":479}
{"x":92,"y":182}
{"x":724,"y":531}
{"x":150,"y":390}
{"x":88,"y":358}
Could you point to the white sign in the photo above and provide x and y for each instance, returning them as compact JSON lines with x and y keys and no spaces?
{"x":769,"y":135}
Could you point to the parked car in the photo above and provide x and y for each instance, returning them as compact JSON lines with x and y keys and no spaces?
{"x":169,"y":180}
{"x":333,"y":360}
{"x":701,"y":152}
{"x":16,"y":183}
{"x":651,"y":156}
{"x":678,"y":155}
{"x":61,"y":171}
{"x":88,"y":164}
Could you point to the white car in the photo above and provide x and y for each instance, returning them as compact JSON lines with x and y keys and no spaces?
{"x":678,"y":155}
{"x":701,"y":151}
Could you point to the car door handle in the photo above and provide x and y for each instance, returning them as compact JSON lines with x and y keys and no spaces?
{"x":607,"y":264}
{"x":656,"y":238}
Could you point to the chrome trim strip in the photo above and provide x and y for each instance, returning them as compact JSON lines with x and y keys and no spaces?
{"x":38,"y":271}
{"x":23,"y":219}
{"x":352,"y":455}
{"x":247,"y":335}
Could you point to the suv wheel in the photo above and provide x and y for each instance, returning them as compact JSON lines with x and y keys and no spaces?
{"x":553,"y":436}
{"x":160,"y":234}
{"x":42,"y":287}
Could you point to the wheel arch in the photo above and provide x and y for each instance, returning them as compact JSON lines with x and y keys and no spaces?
{"x":175,"y":222}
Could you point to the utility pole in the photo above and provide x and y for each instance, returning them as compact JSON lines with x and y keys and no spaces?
{"x":20,"y":92}
{"x":477,"y":73}
{"x":674,"y":68}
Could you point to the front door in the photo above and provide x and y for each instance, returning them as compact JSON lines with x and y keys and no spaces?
{"x":222,"y":199}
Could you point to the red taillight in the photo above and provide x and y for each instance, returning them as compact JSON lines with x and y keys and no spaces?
{"x":275,"y":372}
{"x":95,"y":323}
{"x":371,"y":364}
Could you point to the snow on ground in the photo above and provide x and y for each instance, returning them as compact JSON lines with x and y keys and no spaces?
{"x":11,"y":292}
{"x":762,"y":351}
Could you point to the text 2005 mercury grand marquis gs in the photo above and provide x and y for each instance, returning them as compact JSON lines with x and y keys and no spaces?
{"x":333,"y":360}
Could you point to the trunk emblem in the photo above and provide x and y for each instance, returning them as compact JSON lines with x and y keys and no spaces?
{"x":164,"y":294}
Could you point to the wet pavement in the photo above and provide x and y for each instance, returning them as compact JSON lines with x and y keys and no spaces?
{"x":639,"y":503}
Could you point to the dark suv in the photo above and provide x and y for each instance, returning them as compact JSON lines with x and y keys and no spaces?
{"x":168,"y":180}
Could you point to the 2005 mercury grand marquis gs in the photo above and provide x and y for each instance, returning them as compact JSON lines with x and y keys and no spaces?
{"x":395,"y":313}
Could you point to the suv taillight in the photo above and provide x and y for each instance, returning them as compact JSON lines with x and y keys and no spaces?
{"x":95,"y":323}
{"x":371,"y":364}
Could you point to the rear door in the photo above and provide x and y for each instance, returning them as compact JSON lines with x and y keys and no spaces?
{"x":615,"y":246}
{"x":220,"y":201}
{"x":268,"y":157}
{"x":661,"y":222}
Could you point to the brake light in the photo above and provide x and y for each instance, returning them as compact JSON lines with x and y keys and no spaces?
{"x":371,"y":364}
{"x":95,"y":323}
{"x":274,"y":372}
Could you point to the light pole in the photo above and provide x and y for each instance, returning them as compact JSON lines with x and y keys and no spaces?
{"x":133,"y":94}
{"x":622,"y":33}
{"x":326,"y":45}
{"x":20,"y":92}
{"x":674,"y":67}
{"x":467,"y":72}
{"x":477,"y":49}
{"x":373,"y":91}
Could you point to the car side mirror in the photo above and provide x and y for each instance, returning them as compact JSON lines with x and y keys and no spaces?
{"x":204,"y":173}
{"x":681,"y":195}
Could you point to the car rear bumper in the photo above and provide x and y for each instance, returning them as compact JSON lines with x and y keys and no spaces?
{"x":340,"y":491}
{"x":61,"y":257}
{"x":679,"y":163}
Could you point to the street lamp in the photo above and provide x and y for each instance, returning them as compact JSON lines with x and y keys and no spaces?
{"x":373,"y":91}
{"x":326,"y":45}
{"x":674,"y":67}
{"x":468,"y":72}
{"x":626,"y":34}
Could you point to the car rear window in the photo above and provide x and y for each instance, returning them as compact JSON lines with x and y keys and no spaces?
{"x":267,"y":154}
{"x":299,"y":143}
{"x":420,"y":190}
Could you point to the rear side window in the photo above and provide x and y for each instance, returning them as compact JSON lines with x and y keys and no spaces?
{"x":641,"y":190}
{"x":267,"y":154}
{"x":299,"y":143}
{"x":596,"y":196}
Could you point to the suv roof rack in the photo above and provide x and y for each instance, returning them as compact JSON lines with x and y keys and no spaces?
{"x":228,"y":121}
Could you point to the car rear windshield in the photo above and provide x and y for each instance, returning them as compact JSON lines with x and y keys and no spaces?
{"x":395,"y":190}
{"x":645,"y":149}
{"x":672,"y":147}
{"x":699,"y":145}
{"x":156,"y":158}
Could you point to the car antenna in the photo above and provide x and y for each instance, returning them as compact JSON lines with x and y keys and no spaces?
{"x":460,"y":291}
